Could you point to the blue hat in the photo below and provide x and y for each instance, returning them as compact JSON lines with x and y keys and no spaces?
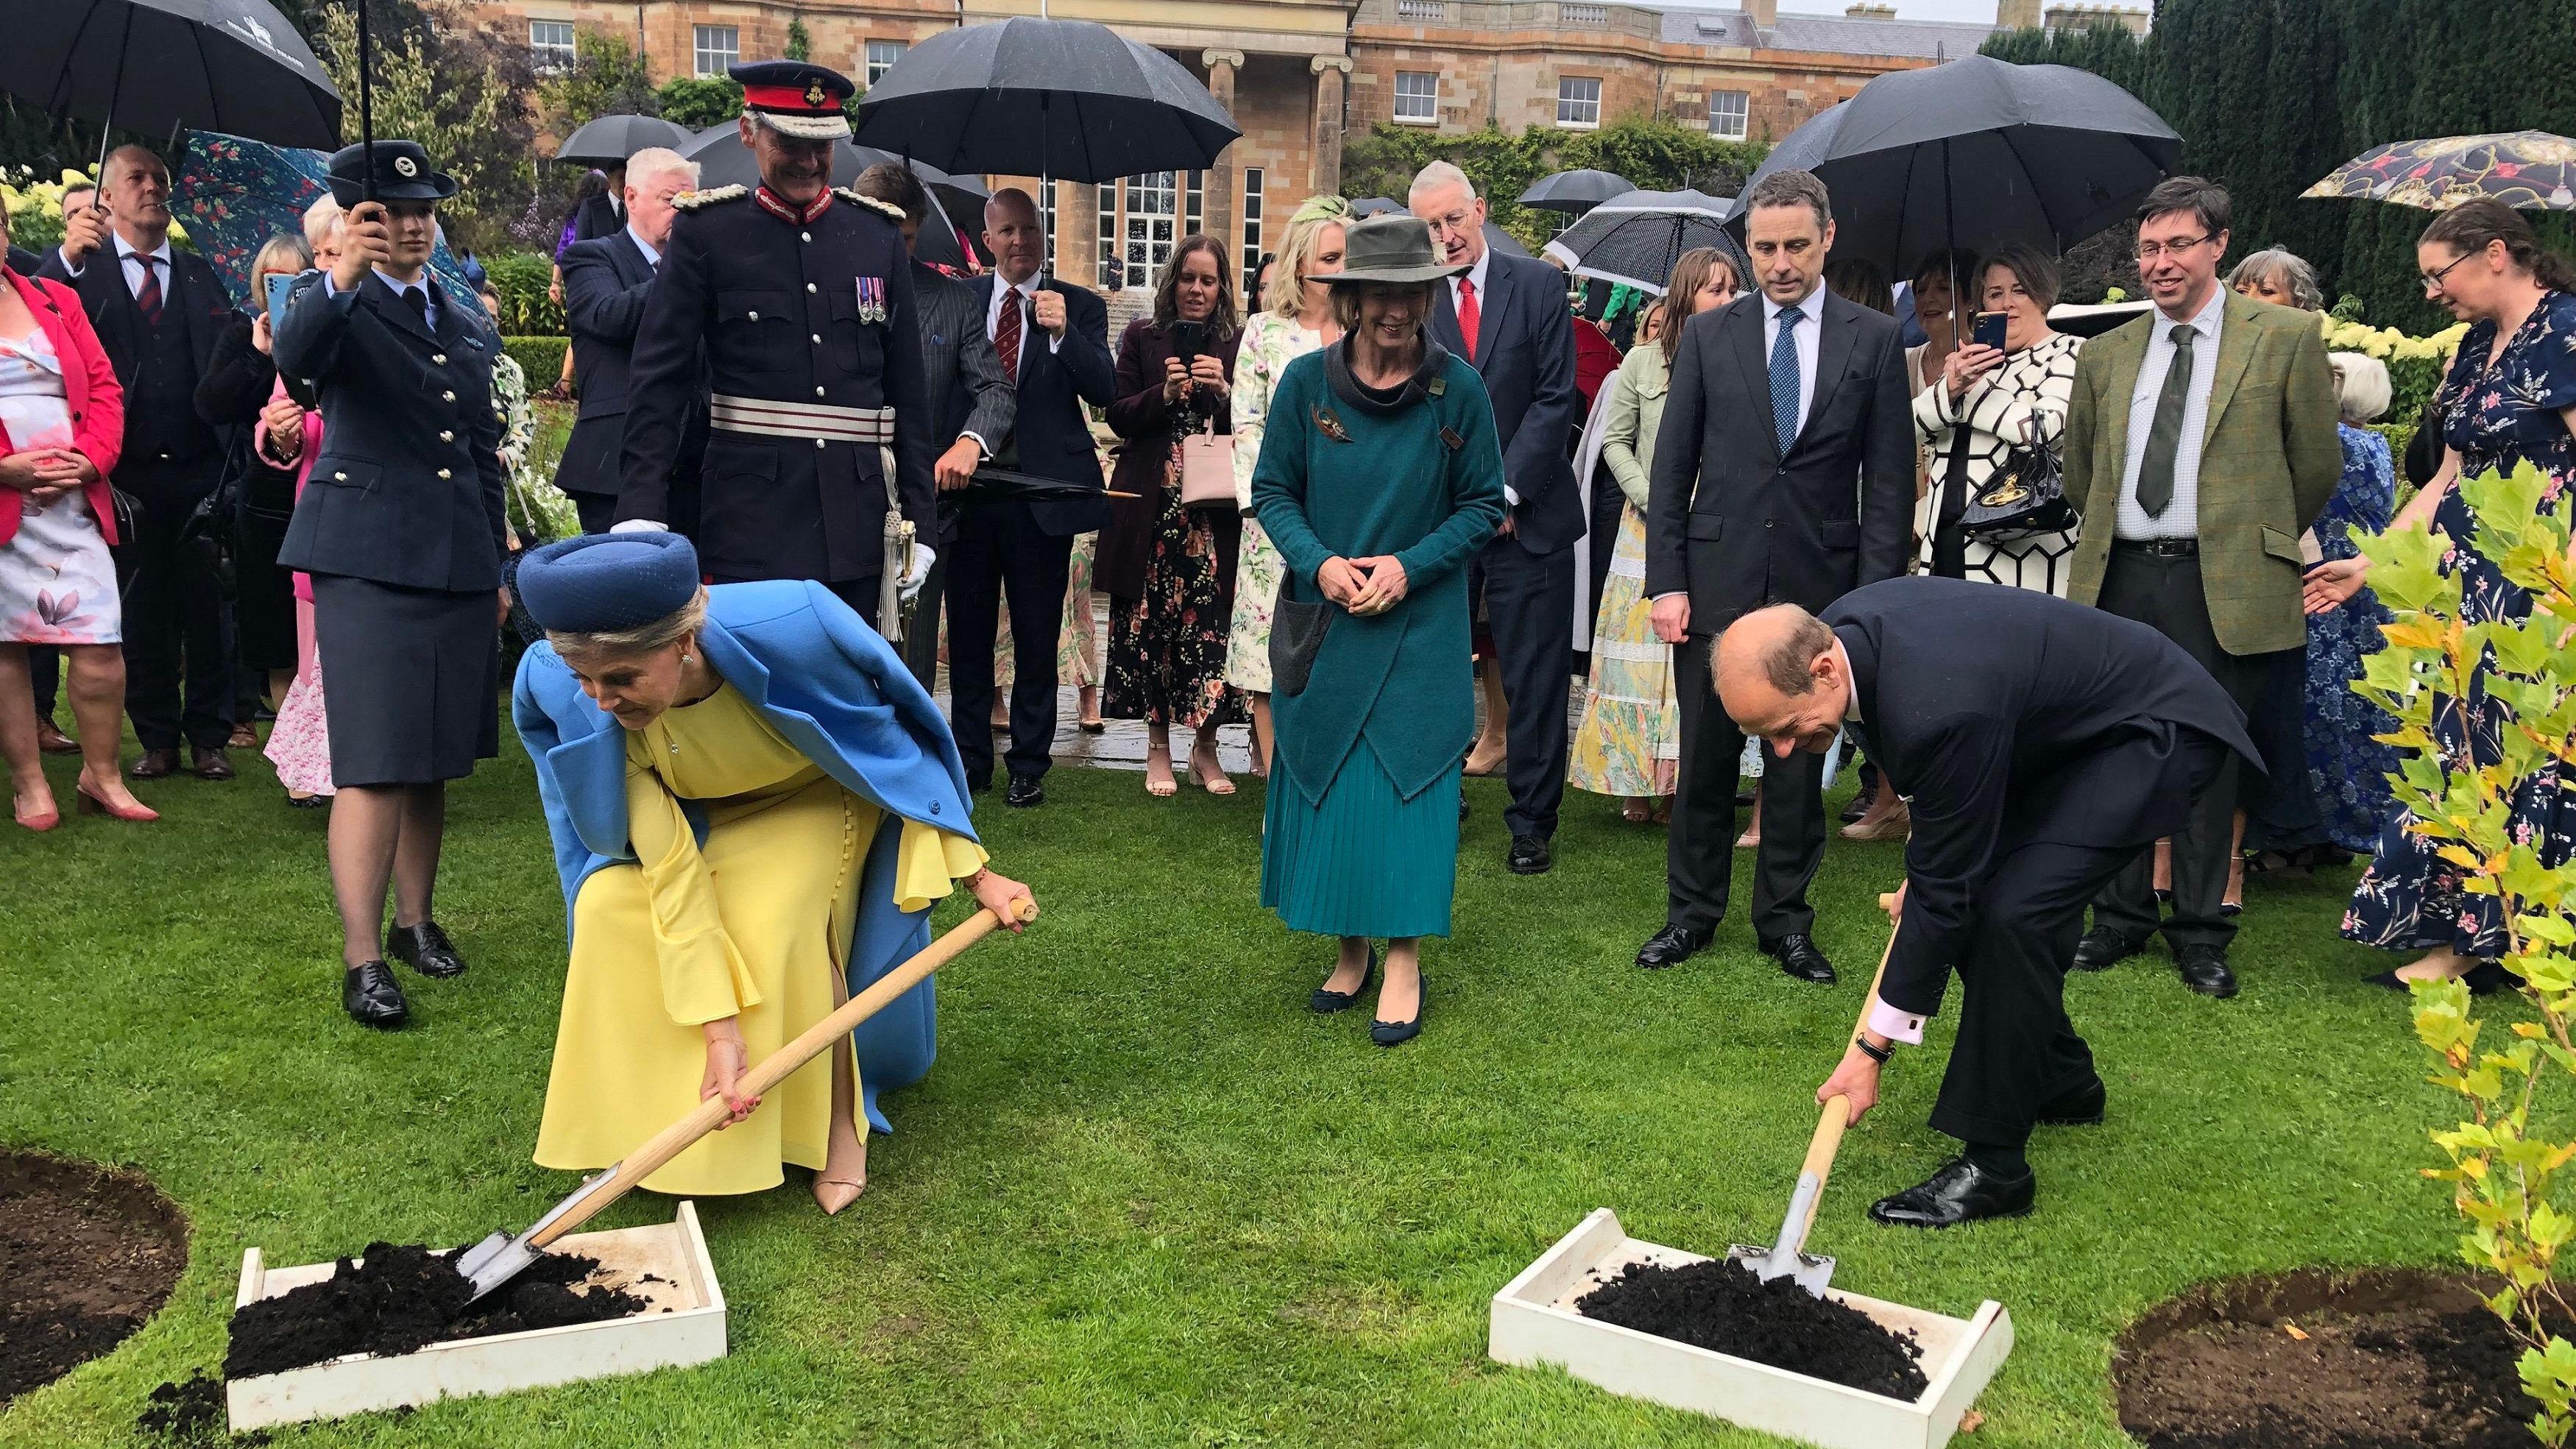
{"x":601,"y":583}
{"x":403,"y":173}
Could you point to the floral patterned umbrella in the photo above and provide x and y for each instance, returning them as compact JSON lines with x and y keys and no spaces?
{"x":236,"y":193}
{"x":2529,"y":170}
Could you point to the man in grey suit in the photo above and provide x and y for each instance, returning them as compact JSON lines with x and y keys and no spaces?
{"x":972,"y":401}
{"x":1783,"y":473}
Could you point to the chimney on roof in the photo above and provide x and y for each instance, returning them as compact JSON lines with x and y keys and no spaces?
{"x":1868,"y":11}
{"x":2017,"y":15}
{"x":1765,"y":15}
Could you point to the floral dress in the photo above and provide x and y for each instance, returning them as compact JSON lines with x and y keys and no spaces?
{"x":2347,"y":769}
{"x":2494,"y":418}
{"x":1628,"y":740}
{"x":1270,"y":343}
{"x":1167,"y":647}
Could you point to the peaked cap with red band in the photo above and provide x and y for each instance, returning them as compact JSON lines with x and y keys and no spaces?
{"x":796,"y":98}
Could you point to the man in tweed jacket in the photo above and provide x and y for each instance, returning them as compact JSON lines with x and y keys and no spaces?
{"x":2200,"y":444}
{"x":972,"y":401}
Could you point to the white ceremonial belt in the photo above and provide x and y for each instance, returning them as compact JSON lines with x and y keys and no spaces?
{"x":820,"y":421}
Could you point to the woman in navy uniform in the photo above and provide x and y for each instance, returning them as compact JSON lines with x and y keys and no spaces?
{"x":402,"y":530}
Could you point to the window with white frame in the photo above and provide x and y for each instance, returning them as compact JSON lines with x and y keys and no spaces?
{"x":881,"y":56}
{"x":1152,"y":206}
{"x":550,"y":42}
{"x":719,"y":49}
{"x":1251,"y":233}
{"x":1578,"y":101}
{"x":1727,"y":111}
{"x":1417,"y":96}
{"x":1193,"y":203}
{"x":1421,"y":9}
{"x":1107,"y":270}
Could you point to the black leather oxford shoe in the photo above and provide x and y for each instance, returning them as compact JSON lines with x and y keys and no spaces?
{"x":425,"y":949}
{"x":1799,"y":957}
{"x":1024,"y":792}
{"x":1530,"y":855}
{"x":1961,"y":1192}
{"x":2079,"y":1108}
{"x":2204,"y":969}
{"x":1671,"y":946}
{"x":2104,"y":947}
{"x":371,"y":998}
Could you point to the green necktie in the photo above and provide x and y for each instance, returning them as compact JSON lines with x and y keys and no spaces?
{"x":2156,"y":469}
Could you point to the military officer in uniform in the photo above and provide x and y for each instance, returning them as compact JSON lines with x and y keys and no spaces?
{"x":402,"y":529}
{"x":818,"y":463}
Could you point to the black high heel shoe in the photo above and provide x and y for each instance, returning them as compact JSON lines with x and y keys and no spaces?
{"x":1325,"y":1003}
{"x":1397,"y":1033}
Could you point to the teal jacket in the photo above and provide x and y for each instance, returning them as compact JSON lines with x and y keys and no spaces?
{"x":1341,"y":476}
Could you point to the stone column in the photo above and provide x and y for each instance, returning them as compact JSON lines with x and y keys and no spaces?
{"x":1219,"y":219}
{"x":1331,"y":76}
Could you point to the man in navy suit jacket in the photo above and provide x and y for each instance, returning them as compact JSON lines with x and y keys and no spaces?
{"x":1522,"y":341}
{"x":606,"y":281}
{"x":1053,"y":338}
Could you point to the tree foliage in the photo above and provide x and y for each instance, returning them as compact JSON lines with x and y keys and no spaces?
{"x":460,"y":91}
{"x":698,"y":102}
{"x":606,"y":78}
{"x":1657,"y":155}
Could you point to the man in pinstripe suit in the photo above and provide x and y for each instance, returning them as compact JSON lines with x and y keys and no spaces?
{"x":972,"y":400}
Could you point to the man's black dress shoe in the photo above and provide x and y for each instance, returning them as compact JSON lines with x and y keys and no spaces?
{"x":1961,"y":1192}
{"x":371,"y":998}
{"x":1671,"y":946}
{"x":2104,"y":947}
{"x":156,"y":765}
{"x":2204,"y":969}
{"x":1325,"y":1003}
{"x":1530,"y":855}
{"x":212,"y":764}
{"x":1799,"y":957}
{"x":425,"y":949}
{"x":2079,"y":1108}
{"x":1397,"y":1033}
{"x":1024,"y":792}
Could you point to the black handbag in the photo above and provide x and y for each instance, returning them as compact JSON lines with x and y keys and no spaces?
{"x":1296,"y":635}
{"x":2025,"y":494}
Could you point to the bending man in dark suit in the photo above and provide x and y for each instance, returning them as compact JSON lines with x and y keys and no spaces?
{"x":971,"y":402}
{"x":158,"y":313}
{"x":1053,"y":341}
{"x":2043,"y":747}
{"x":606,"y":281}
{"x":1783,"y":472}
{"x":1507,"y":316}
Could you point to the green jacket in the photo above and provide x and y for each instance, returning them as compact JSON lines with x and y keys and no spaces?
{"x":1423,"y":482}
{"x":2269,"y":461}
{"x":1636,"y":412}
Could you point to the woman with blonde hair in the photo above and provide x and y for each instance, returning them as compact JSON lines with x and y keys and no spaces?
{"x":1296,"y":318}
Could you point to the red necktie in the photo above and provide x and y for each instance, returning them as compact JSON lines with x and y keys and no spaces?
{"x":1468,"y":314}
{"x":148,"y":300}
{"x":1006,"y":336}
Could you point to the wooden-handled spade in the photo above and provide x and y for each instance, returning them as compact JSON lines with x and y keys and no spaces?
{"x":1788,"y":1257}
{"x":501,"y":1257}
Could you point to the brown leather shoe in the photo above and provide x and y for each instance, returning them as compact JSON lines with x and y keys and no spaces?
{"x":244,"y":737}
{"x":51,"y":739}
{"x":156,"y":765}
{"x":210,"y":764}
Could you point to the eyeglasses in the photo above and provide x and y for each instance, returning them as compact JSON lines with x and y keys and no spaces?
{"x":2433,"y":280}
{"x":2148,"y":251}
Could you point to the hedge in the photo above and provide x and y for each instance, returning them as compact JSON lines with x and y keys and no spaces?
{"x":522,"y":279}
{"x":541,"y":358}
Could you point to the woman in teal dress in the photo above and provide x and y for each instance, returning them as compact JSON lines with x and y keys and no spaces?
{"x":1379,"y":477}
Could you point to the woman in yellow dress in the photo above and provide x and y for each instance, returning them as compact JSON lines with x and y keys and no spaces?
{"x":754,"y":806}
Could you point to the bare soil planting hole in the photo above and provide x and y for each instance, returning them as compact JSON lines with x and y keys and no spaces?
{"x":2379,"y":1359}
{"x":86,"y":1255}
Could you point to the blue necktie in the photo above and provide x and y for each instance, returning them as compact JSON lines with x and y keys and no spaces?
{"x":1784,"y":379}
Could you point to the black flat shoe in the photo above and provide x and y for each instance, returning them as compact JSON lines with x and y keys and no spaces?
{"x":309,"y":802}
{"x":1325,"y":1003}
{"x":1799,"y":957}
{"x":1671,"y":946}
{"x":425,"y":949}
{"x":2104,"y":947}
{"x":2229,"y":910}
{"x":2204,"y":969}
{"x":1530,"y":855}
{"x":1961,"y":1192}
{"x":2080,"y":1108}
{"x":2484,"y":979}
{"x":1025,"y":792}
{"x":371,"y":998}
{"x":1397,"y":1033}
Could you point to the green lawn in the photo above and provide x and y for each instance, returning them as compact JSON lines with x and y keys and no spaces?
{"x":1145,"y":1198}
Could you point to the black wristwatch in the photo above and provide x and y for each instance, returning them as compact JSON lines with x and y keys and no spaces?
{"x":1879,"y":1055}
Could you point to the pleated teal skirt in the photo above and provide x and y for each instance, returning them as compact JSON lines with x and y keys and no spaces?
{"x":1361,"y":861}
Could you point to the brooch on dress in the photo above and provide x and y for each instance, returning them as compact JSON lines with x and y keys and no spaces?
{"x":1330,"y":426}
{"x":872,"y":299}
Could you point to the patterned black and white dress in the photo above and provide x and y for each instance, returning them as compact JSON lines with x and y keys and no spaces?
{"x":2021,"y":404}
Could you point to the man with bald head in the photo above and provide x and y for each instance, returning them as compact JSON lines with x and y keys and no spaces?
{"x":2041,"y":746}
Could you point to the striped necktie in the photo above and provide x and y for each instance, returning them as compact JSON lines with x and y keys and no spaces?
{"x":147,"y":299}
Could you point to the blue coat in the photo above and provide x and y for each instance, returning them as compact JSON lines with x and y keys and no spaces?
{"x":836,"y":691}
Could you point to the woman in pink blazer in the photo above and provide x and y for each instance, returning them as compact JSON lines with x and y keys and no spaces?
{"x":62,"y":420}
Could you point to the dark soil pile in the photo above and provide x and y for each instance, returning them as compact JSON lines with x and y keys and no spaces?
{"x":1725,"y":1307}
{"x":404,"y":1297}
{"x":2381,"y":1360}
{"x":85,"y":1256}
{"x":192,"y":1416}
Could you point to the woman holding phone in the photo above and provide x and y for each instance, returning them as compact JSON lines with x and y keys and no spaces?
{"x":2004,"y":393}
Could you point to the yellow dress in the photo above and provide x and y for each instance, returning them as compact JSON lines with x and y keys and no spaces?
{"x":755,"y":923}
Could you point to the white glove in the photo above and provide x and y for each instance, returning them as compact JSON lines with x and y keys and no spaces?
{"x":923,"y":556}
{"x":640,"y":525}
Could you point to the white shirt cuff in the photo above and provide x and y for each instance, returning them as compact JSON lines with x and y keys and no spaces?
{"x":68,"y":264}
{"x":981,"y":446}
{"x":1895,"y":1025}
{"x":1511,"y":497}
{"x":639,"y":525}
{"x":1055,"y":344}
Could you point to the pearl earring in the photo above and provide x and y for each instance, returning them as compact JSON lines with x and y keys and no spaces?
{"x":688,"y":659}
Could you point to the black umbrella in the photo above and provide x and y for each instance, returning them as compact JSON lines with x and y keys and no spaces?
{"x":1635,"y":239}
{"x":724,"y":161}
{"x":1576,"y":191}
{"x":1064,"y":99}
{"x":1368,"y":206}
{"x":1499,"y":240}
{"x":609,"y":140}
{"x":156,"y":66}
{"x":1977,"y":153}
